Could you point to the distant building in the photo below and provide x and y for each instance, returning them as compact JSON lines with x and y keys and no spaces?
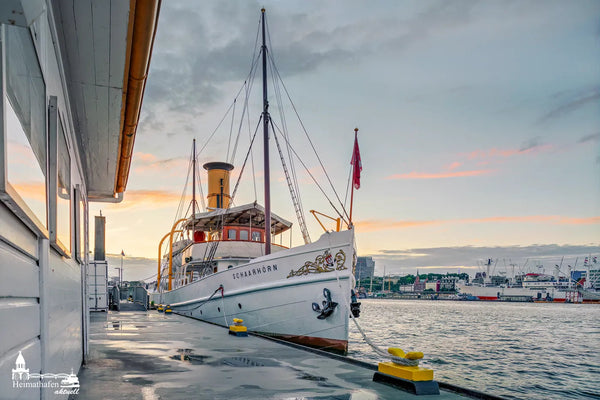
{"x":419,"y":286}
{"x":407,"y":288}
{"x":448,"y":282}
{"x":365,"y":268}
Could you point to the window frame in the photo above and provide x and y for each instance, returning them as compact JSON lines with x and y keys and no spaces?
{"x":230,"y":231}
{"x":8,"y":194}
{"x":53,"y":132}
{"x":80,"y":208}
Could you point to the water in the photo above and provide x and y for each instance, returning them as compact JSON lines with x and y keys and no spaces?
{"x":515,"y":350}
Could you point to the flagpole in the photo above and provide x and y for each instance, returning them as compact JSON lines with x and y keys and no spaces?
{"x":352,"y":192}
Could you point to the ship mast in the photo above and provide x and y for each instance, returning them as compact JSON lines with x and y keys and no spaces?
{"x":266,"y":117}
{"x":193,"y":189}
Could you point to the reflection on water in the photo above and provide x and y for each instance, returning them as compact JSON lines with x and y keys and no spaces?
{"x":517,"y":350}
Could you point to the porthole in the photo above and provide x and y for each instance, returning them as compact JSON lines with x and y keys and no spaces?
{"x":200,"y":312}
{"x":240,"y":306}
{"x":219,"y":308}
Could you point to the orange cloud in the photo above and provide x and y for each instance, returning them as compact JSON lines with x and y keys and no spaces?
{"x":146,"y":200}
{"x":440,"y":175}
{"x":146,"y":157}
{"x":498,"y":153}
{"x":454,"y":165}
{"x":380,"y":225}
{"x":146,"y":162}
{"x":152,"y":196}
{"x":484,"y":157}
{"x":579,"y":221}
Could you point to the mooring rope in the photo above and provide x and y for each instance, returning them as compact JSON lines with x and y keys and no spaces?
{"x":220,"y":288}
{"x":223,"y":305}
{"x":380,"y":351}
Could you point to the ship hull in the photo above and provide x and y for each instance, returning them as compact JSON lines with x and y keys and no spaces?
{"x":495,"y":293}
{"x":274,"y":294}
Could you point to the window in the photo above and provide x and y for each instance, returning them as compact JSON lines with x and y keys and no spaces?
{"x":63,"y":190}
{"x":59,"y":183}
{"x":243,"y":234}
{"x":80,"y":225}
{"x":256,"y":236}
{"x":24,"y":156}
{"x":231,"y":234}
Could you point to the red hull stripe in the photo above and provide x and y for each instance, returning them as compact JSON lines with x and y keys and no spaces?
{"x":332,"y":345}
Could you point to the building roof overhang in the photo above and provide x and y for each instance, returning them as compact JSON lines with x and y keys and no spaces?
{"x":106,"y":49}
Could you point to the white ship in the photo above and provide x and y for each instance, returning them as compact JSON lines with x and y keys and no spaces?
{"x":577,"y":288}
{"x":224,"y":264}
{"x":532,"y":290}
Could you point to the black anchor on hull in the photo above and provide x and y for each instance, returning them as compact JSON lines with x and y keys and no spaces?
{"x":328,"y":305}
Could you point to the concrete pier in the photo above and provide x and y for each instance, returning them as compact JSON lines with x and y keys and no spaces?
{"x":147,"y":355}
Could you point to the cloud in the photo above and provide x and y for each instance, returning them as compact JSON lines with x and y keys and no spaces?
{"x":571,"y":101}
{"x":194,"y":56}
{"x":146,"y":200}
{"x":482,"y":157}
{"x":381,"y":225}
{"x":443,"y":259}
{"x":152,"y":196}
{"x":531,"y":146}
{"x":440,"y":175}
{"x":134,"y":268}
{"x":594,"y":137}
{"x":146,"y":162}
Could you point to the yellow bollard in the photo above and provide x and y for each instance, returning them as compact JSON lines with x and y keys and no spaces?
{"x":399,"y":373}
{"x":238,"y":329}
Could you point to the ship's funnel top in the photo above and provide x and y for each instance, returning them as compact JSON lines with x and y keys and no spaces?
{"x":218,"y":184}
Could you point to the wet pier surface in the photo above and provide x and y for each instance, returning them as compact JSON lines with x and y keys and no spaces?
{"x":151,"y":356}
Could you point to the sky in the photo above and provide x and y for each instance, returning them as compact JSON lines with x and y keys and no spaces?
{"x":479,"y":125}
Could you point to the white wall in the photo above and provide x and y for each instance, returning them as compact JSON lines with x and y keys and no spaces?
{"x":40,"y":290}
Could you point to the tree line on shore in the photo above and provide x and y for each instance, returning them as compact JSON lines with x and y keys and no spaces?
{"x":394,"y":283}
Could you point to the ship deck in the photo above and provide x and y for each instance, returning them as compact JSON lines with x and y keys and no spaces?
{"x":147,"y":355}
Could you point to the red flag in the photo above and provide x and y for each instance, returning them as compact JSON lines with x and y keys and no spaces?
{"x":356,"y":163}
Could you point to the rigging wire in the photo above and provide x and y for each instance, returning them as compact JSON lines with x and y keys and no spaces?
{"x":279,"y":100}
{"x":315,"y":180}
{"x":294,"y":195}
{"x":231,"y":127}
{"x":248,"y":87}
{"x":276,"y":72}
{"x":251,"y":154}
{"x":295,"y":189}
{"x":311,"y":143}
{"x":348,"y":187}
{"x":226,"y":113}
{"x":209,"y":253}
{"x":199,"y":182}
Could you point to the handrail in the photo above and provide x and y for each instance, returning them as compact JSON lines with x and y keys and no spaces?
{"x":337,"y":220}
{"x":171,"y":251}
{"x":160,"y":258}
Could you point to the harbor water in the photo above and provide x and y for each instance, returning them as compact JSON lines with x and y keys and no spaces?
{"x":514,"y":350}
